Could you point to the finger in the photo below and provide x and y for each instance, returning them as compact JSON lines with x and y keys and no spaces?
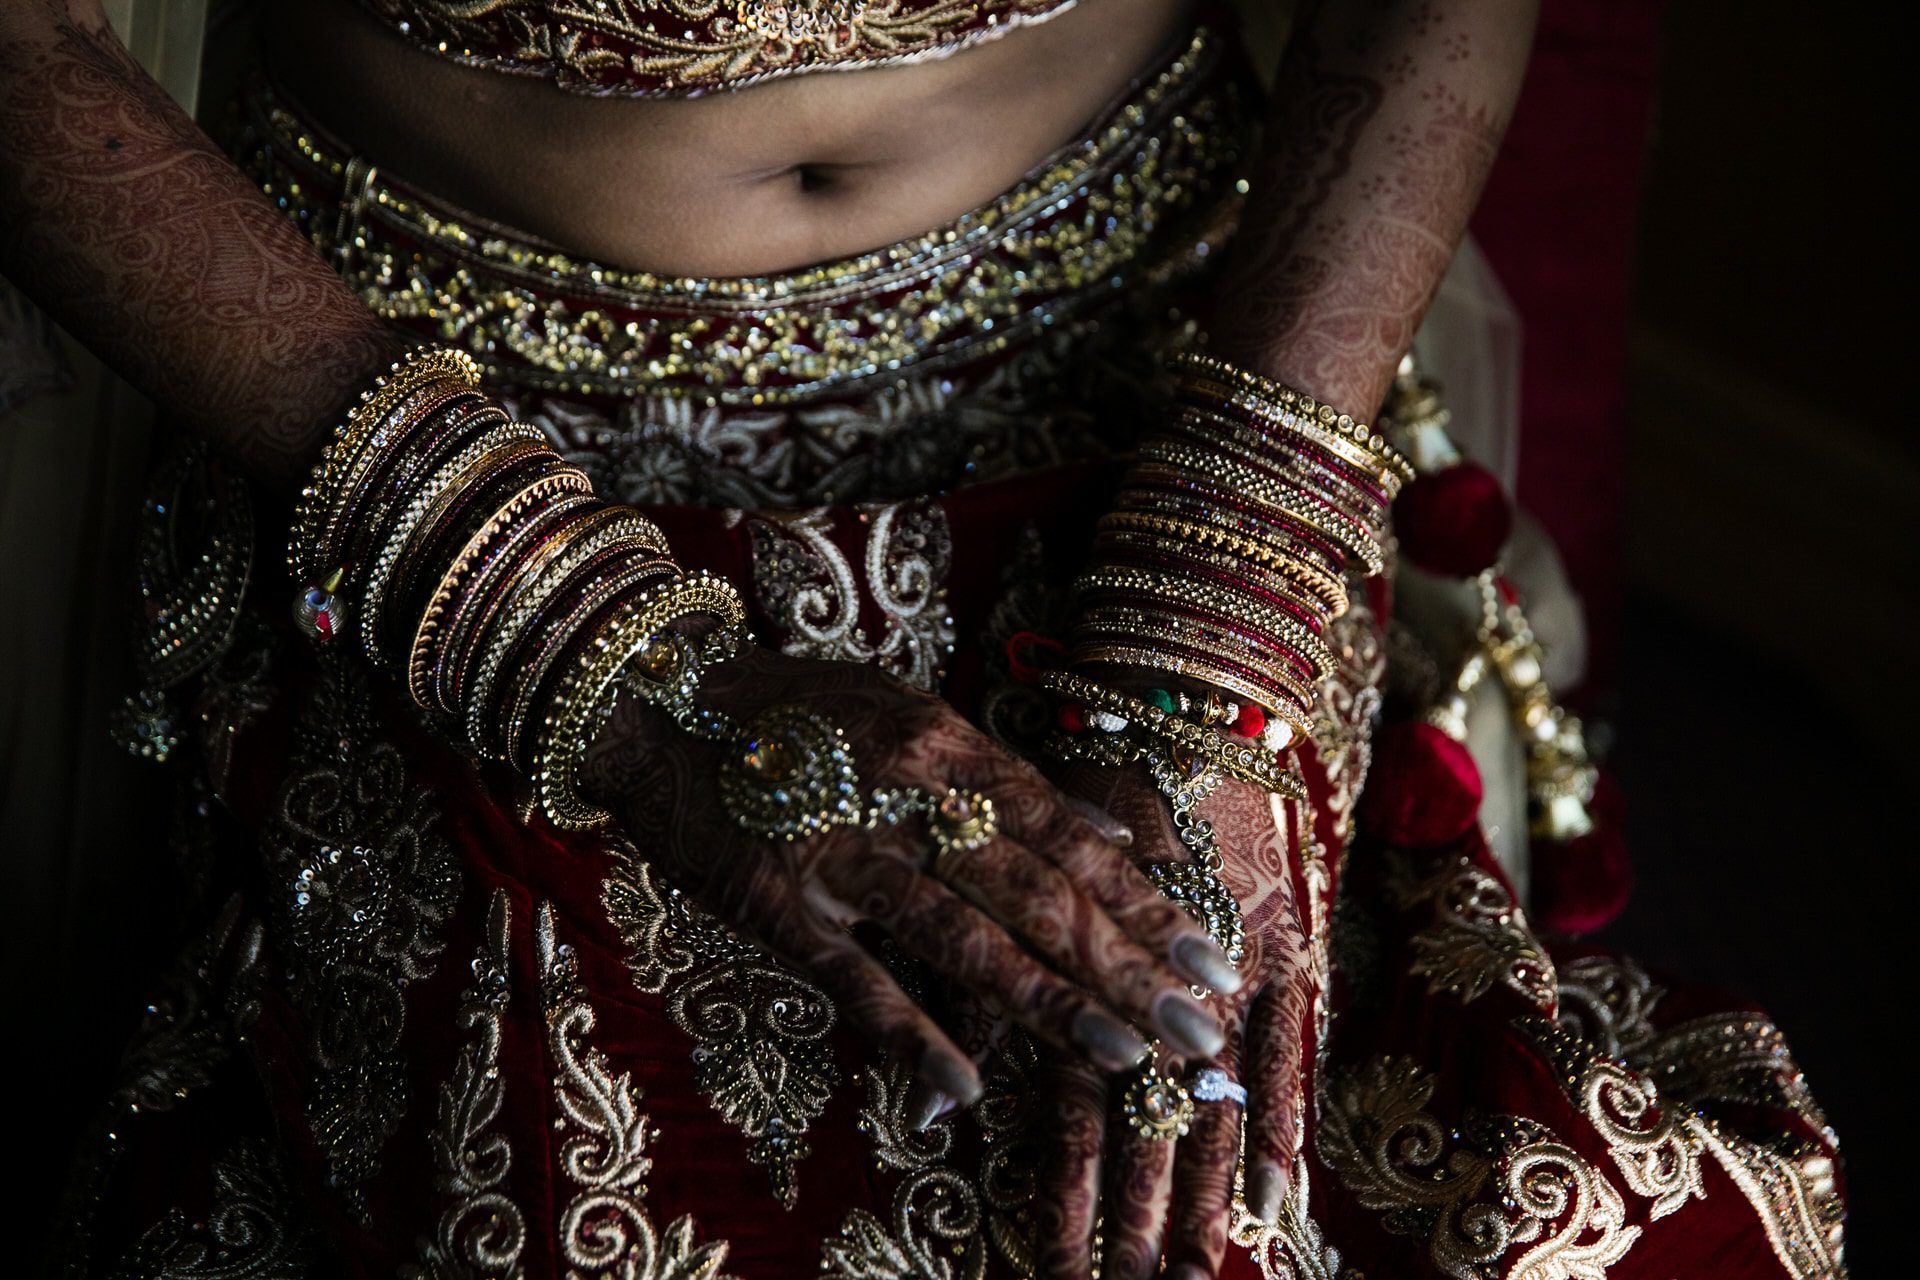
{"x":1111,"y":829}
{"x":1276,"y":1026}
{"x":862,"y":990}
{"x":1139,"y":1189}
{"x":1035,"y":901}
{"x":1068,"y":1191}
{"x":1036,"y":814}
{"x":966,"y":948}
{"x":1203,"y":1167}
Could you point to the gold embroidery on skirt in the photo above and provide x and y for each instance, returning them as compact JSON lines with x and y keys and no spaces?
{"x":1294,"y":1247}
{"x":1494,"y":1189}
{"x":252,"y":1229}
{"x":1730,"y":1057}
{"x":605,"y":1229}
{"x":1479,"y":936}
{"x":807,"y":586}
{"x":760,"y":1031}
{"x":1792,"y":1190}
{"x":365,"y":880}
{"x":481,"y":1228}
{"x":1349,"y":702}
{"x":1608,"y":1001}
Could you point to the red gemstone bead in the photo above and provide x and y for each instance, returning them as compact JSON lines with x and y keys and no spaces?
{"x":1250,"y":722}
{"x":1071,"y":718}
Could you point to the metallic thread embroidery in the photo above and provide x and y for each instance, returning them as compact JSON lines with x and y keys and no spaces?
{"x":1479,"y":936}
{"x":605,"y":1229}
{"x":251,"y":1232}
{"x":367,"y":881}
{"x":481,"y":1228}
{"x":656,"y":47}
{"x":760,"y":1030}
{"x":1608,"y":1001}
{"x":1348,"y":704}
{"x":807,"y":586}
{"x":1491,"y":1188}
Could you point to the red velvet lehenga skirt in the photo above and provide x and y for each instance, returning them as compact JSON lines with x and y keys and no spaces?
{"x":425,"y":1034}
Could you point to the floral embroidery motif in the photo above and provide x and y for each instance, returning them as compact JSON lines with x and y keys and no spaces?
{"x":656,"y":47}
{"x":1608,"y":1001}
{"x":1479,"y":936}
{"x":1496,"y":1197}
{"x":807,"y":585}
{"x":1348,"y":704}
{"x":1731,"y":1057}
{"x":761,"y":1053}
{"x":366,"y":880}
{"x":944,"y":1226}
{"x":1294,"y":1247}
{"x":481,"y":1231}
{"x":252,"y":1231}
{"x":1792,"y":1190}
{"x":605,"y":1229}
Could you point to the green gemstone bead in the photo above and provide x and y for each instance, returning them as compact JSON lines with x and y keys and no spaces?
{"x":1160,"y":698}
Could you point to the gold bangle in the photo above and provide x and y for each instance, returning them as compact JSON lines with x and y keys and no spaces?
{"x":1250,"y":763}
{"x":610,"y":584}
{"x":1199,"y":370}
{"x":1133,"y":542}
{"x":1329,"y":590}
{"x":1214,"y":465}
{"x":1210,"y":430}
{"x":429,"y":499}
{"x":412,"y":370}
{"x":1205,"y":672}
{"x":562,"y":480}
{"x":586,"y":698}
{"x":1231,"y":481}
{"x":413,"y":414}
{"x":1187,"y":592}
{"x":1132,"y":626}
{"x":572,"y":548}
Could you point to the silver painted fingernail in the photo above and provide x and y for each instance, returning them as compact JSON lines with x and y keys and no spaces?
{"x":951,"y":1075}
{"x":1193,"y":1030}
{"x":923,"y":1106}
{"x":1266,"y":1191}
{"x":1113,"y":1044}
{"x":1111,"y":829}
{"x":1198,"y":959}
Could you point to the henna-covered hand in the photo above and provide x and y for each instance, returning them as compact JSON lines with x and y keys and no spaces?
{"x":1172,"y":1200}
{"x":1047,"y":921}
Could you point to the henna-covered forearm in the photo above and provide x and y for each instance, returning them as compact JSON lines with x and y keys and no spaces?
{"x":125,"y":223}
{"x":1387,"y":115}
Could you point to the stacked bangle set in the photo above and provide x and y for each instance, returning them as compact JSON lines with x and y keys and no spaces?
{"x":490,"y":580}
{"x":1227,"y":551}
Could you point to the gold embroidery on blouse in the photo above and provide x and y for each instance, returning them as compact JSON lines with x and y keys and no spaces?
{"x":1479,"y":937}
{"x":807,"y":586}
{"x":999,"y":275}
{"x":481,"y":1231}
{"x":366,"y":880}
{"x":1496,"y":1196}
{"x":605,"y":1229}
{"x":760,"y":1031}
{"x":657,"y":47}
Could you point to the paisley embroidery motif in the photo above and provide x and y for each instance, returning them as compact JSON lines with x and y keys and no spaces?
{"x":760,"y":1031}
{"x":252,"y":1231}
{"x":1293,"y":1248}
{"x":1608,"y":1001}
{"x":1348,"y":704}
{"x":1479,"y":936}
{"x":481,"y":1232}
{"x":605,"y":1229}
{"x":807,"y":586}
{"x":1496,"y":1197}
{"x":366,"y":881}
{"x":1730,"y":1057}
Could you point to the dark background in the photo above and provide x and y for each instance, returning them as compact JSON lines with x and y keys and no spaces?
{"x":1748,"y":545}
{"x":1694,"y":217}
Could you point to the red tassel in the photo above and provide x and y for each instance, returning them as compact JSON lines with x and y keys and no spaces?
{"x":1423,"y":790}
{"x":1019,"y":644}
{"x":1453,"y":522}
{"x":1583,"y":884}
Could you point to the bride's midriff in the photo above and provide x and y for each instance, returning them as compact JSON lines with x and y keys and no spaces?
{"x":792,"y":171}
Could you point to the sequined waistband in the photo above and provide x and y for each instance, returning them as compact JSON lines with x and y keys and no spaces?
{"x":1133,"y":201}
